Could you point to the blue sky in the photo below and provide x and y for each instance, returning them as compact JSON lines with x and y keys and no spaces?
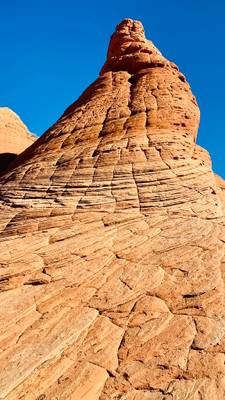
{"x":52,"y":50}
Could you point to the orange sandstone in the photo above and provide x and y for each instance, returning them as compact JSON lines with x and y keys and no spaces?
{"x":112,"y":244}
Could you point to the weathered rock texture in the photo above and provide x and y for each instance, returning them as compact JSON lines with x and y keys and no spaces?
{"x":112,"y":245}
{"x":14,"y":137}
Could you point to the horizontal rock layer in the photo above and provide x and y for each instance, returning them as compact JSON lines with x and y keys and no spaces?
{"x":112,"y":244}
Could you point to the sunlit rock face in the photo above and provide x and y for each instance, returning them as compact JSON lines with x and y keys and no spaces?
{"x":14,"y":137}
{"x":112,"y":244}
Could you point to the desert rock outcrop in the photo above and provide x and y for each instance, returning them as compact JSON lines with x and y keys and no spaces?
{"x":14,"y":137}
{"x":112,"y":244}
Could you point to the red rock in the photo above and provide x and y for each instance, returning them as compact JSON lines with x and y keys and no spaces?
{"x":112,"y":244}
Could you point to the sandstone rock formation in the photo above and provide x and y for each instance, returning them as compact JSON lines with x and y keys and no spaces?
{"x":14,"y":137}
{"x":112,"y":245}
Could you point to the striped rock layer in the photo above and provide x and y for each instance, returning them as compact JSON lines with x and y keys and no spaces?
{"x":112,"y":245}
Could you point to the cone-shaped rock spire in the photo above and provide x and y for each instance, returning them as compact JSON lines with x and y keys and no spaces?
{"x":141,"y":101}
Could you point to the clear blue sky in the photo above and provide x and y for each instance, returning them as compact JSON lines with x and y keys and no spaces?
{"x":52,"y":50}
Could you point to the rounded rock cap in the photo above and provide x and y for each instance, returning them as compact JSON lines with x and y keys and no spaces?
{"x":129,"y":49}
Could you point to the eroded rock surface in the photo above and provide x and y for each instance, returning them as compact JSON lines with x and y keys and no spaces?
{"x":112,"y":245}
{"x":14,"y":137}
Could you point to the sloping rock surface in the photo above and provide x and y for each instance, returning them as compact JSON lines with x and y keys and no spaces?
{"x":112,"y":245}
{"x":14,"y":137}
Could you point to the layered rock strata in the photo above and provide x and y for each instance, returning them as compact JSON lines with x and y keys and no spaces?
{"x":14,"y":137}
{"x":112,"y":244}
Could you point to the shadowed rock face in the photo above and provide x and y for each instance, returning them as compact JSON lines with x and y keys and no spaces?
{"x":112,"y":244}
{"x":5,"y":160}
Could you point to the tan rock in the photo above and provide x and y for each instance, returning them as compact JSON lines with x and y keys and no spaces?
{"x":14,"y":137}
{"x":112,"y":245}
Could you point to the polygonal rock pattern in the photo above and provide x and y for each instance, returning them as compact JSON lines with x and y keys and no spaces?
{"x":112,"y":245}
{"x":14,"y":137}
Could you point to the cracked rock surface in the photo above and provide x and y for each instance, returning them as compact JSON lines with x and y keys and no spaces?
{"x":112,"y":244}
